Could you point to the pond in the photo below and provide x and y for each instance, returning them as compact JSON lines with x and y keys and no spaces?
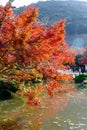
{"x":64,"y":112}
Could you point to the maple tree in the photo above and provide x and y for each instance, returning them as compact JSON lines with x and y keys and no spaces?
{"x":29,"y":51}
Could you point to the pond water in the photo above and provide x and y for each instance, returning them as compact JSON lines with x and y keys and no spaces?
{"x":63,"y":112}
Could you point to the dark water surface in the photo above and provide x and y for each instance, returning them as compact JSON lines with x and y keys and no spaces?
{"x":63,"y":112}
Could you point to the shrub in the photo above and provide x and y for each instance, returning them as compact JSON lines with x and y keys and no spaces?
{"x":80,"y":78}
{"x":6,"y":89}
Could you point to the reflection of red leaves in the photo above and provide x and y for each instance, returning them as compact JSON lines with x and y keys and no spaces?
{"x":37,"y":102}
{"x":30,"y":103}
{"x":52,"y":129}
{"x":38,"y":121}
{"x":32,"y":99}
{"x":33,"y":102}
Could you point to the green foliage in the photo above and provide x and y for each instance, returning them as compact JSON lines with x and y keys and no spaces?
{"x":80,"y":78}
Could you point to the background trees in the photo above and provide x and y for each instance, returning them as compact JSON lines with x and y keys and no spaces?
{"x":84,"y":58}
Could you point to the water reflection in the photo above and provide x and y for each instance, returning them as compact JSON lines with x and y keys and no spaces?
{"x":32,"y":118}
{"x":63,"y":112}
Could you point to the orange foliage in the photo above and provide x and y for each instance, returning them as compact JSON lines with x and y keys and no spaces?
{"x":25,"y":45}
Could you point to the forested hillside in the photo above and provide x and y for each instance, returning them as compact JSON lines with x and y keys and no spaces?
{"x":75,"y":13}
